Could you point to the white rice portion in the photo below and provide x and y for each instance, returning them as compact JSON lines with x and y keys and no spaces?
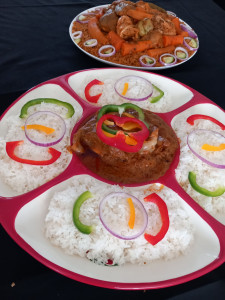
{"x":20,"y":177}
{"x":208,"y":177}
{"x":100,"y":245}
{"x":109,"y":95}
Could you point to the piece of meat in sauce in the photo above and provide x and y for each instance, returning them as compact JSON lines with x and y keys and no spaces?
{"x":122,"y":8}
{"x":108,"y":21}
{"x":150,"y":163}
{"x":143,"y":5}
{"x":150,"y":7}
{"x":125,"y":28}
{"x":155,"y":37}
{"x":163,"y":24}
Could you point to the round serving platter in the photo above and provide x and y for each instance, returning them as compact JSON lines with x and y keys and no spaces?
{"x":22,"y":215}
{"x":117,"y":64}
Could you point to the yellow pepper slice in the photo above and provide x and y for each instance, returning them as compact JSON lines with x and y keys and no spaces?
{"x":47,"y":130}
{"x":130,"y":141}
{"x":109,"y":123}
{"x":130,"y":126}
{"x":208,"y":147}
{"x":128,"y":115}
{"x":132,"y":213}
{"x":125,"y":88}
{"x":108,"y":134}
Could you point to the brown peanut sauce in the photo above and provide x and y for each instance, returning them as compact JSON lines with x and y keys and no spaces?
{"x":122,"y":167}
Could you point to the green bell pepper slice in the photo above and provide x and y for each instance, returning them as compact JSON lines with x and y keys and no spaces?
{"x":156,"y":98}
{"x":24,"y":109}
{"x":192,"y":179}
{"x":120,"y":109}
{"x":76,"y":212}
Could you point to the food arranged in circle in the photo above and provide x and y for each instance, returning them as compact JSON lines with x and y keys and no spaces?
{"x":140,"y":34}
{"x":120,"y":154}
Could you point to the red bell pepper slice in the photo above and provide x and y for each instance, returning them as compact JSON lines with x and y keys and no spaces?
{"x":92,"y":99}
{"x":192,"y":118}
{"x":10,"y":149}
{"x":154,"y":239}
{"x":119,"y":139}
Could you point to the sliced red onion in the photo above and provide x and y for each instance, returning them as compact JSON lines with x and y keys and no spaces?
{"x":77,"y":35}
{"x":146,"y":57}
{"x":122,"y":233}
{"x":168,"y":55}
{"x":90,"y":13}
{"x":49,"y":119}
{"x":81,"y":18}
{"x":106,"y":54}
{"x":171,"y":13}
{"x":187,"y":43}
{"x":198,"y":137}
{"x":139,"y":88}
{"x":191,"y":32}
{"x":182,"y":50}
{"x":91,"y":43}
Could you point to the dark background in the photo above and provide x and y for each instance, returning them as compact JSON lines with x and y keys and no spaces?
{"x":35,"y":46}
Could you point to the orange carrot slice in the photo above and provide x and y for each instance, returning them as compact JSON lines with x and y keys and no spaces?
{"x":159,"y":51}
{"x":47,"y":130}
{"x":115,"y":40}
{"x":175,"y":40}
{"x":125,"y":88}
{"x":208,"y":147}
{"x":132,"y":213}
{"x":95,"y":31}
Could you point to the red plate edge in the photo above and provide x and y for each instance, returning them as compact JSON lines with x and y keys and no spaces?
{"x":63,"y":82}
{"x":108,"y":284}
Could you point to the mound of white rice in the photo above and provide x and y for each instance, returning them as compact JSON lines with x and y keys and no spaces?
{"x":100,"y":245}
{"x":208,"y":177}
{"x":20,"y":177}
{"x":109,"y":95}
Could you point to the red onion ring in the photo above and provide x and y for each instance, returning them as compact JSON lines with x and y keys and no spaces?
{"x":191,"y":32}
{"x":183,"y":50}
{"x":171,"y":13}
{"x":167,"y":64}
{"x":35,"y":116}
{"x":84,"y":14}
{"x":93,"y":43}
{"x":147,"y":65}
{"x":77,"y":35}
{"x":187,"y":44}
{"x":136,"y":202}
{"x":192,"y":139}
{"x":146,"y":85}
{"x":106,"y":54}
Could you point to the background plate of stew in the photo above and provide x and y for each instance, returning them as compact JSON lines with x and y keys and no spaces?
{"x":128,"y":61}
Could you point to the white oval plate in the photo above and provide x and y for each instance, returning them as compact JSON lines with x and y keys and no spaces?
{"x":120,"y":65}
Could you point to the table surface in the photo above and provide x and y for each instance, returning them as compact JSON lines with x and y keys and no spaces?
{"x":35,"y":46}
